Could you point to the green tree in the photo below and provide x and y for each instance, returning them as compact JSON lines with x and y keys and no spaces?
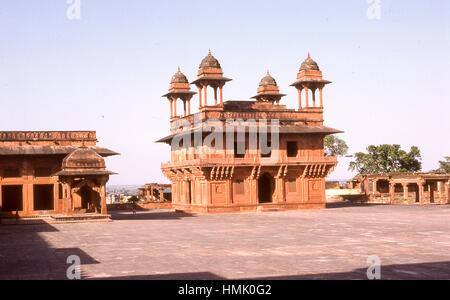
{"x":444,"y":165}
{"x":387,"y":159}
{"x":335,"y":146}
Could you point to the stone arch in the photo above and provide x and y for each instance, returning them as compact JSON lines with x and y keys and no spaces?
{"x":86,"y":197}
{"x":266,"y":188}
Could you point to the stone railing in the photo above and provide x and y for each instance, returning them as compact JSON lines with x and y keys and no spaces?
{"x":227,"y":161}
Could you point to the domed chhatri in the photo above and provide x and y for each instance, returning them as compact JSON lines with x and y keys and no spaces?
{"x":210,"y":62}
{"x":309,"y":65}
{"x":310,"y":78}
{"x":268,"y":90}
{"x":179,"y":89}
{"x":268,"y":80}
{"x":84,"y":161}
{"x":179,"y":77}
{"x":210,"y":74}
{"x":83,"y":158}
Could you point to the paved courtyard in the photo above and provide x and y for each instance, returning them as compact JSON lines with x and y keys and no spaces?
{"x":412,"y":242}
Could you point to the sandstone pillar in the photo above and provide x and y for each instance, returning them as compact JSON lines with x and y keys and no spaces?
{"x":200,"y":90}
{"x":104,"y":209}
{"x":421,"y":192}
{"x":300,"y":99}
{"x":374,"y":187}
{"x":321,"y":96}
{"x":161,"y":195}
{"x":175,"y":114}
{"x":307,"y":97}
{"x":405,"y":191}
{"x":221,"y":95}
{"x":392,"y":192}
{"x":205,"y":96}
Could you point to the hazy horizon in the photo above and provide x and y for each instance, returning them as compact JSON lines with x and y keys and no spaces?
{"x":107,"y":70}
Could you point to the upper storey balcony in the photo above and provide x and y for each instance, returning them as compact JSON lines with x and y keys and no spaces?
{"x":247,"y":110}
{"x":251,"y":161}
{"x":266,"y":106}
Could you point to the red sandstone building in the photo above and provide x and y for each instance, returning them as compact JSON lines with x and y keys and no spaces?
{"x":154,"y":192}
{"x":52,"y":174}
{"x":228,"y":173}
{"x":413,"y":188}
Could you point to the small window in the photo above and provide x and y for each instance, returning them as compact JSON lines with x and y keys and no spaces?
{"x":292,"y":149}
{"x":239,"y":187}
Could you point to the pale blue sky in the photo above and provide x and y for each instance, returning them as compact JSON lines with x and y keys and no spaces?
{"x":108,"y":70}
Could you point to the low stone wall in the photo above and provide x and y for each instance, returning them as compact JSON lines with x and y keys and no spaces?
{"x":339,"y":195}
{"x":140,"y":206}
{"x":157,"y":205}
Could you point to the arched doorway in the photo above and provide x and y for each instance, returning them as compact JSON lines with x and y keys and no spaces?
{"x":90,"y":200}
{"x":266,"y":188}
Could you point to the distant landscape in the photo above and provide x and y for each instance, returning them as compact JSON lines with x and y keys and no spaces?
{"x":123,"y":189}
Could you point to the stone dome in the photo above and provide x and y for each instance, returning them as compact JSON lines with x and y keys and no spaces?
{"x":84,"y":158}
{"x":210,"y":62}
{"x":179,"y":77}
{"x":309,"y":65}
{"x":268,"y":80}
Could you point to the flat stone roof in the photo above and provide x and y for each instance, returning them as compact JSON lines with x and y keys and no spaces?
{"x":49,"y":150}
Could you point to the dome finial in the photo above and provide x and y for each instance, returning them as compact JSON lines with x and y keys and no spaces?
{"x":309,"y":64}
{"x":268,"y":73}
{"x":210,"y":62}
{"x":179,"y":77}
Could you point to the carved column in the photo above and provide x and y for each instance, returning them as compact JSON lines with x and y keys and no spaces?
{"x":392,"y":192}
{"x":161,"y":195}
{"x":200,"y":90}
{"x":421,"y":185}
{"x":281,"y":190}
{"x":221,"y":95}
{"x":189,"y":106}
{"x":300,"y":99}
{"x":205,"y":95}
{"x":321,"y":96}
{"x":171,"y":108}
{"x":175,"y":114}
{"x":405,"y":191}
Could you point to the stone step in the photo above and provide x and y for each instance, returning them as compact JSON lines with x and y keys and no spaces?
{"x":268,"y":208}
